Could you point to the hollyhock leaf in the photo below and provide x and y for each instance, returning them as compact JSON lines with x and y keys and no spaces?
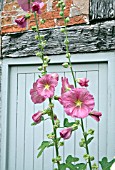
{"x":71,"y":159}
{"x":81,"y":166}
{"x":43,"y":146}
{"x":89,"y":140}
{"x":52,"y":144}
{"x":68,"y":124}
{"x":34,"y":123}
{"x":105,"y":164}
{"x":70,"y":166}
{"x":63,"y":166}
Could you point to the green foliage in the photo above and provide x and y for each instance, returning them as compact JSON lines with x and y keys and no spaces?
{"x":71,"y":159}
{"x":89,"y":140}
{"x":68,"y":124}
{"x":81,"y":166}
{"x":44,"y":145}
{"x":34,"y":124}
{"x":105,"y":164}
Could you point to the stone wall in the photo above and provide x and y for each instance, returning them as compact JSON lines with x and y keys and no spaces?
{"x":85,"y":38}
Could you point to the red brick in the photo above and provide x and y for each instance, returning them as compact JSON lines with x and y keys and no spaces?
{"x":6,"y":21}
{"x":48,"y":24}
{"x":73,"y":20}
{"x":7,"y":7}
{"x":44,"y":8}
{"x":11,"y":29}
{"x":9,"y":13}
{"x":50,"y":15}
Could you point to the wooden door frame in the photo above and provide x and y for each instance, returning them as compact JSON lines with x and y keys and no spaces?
{"x":108,"y":57}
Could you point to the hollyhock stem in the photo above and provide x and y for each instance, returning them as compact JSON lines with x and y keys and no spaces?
{"x":87,"y":150}
{"x":41,"y":48}
{"x":75,"y":84}
{"x":55,"y":133}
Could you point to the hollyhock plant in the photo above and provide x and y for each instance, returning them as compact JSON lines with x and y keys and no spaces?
{"x":37,"y":117}
{"x":22,"y":22}
{"x":46,"y":86}
{"x":35,"y":96}
{"x":96,"y":115}
{"x":78,"y":102}
{"x":37,"y":6}
{"x":83,"y":82}
{"x":66,"y":133}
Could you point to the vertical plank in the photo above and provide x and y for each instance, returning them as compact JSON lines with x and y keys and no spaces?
{"x":49,"y":153}
{"x":111,"y":109}
{"x":92,"y":124}
{"x":69,"y":142}
{"x":103,"y":107}
{"x":58,"y":110}
{"x":29,"y":157}
{"x":38,"y":135}
{"x":21,"y":122}
{"x":12,"y":111}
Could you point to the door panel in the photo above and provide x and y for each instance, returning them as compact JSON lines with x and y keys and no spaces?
{"x":24,"y":140}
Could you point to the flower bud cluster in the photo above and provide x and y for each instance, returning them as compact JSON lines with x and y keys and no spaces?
{"x":87,"y":157}
{"x":57,"y":159}
{"x":51,"y":136}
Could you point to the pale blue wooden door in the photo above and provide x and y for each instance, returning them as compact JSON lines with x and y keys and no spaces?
{"x":23,"y":139}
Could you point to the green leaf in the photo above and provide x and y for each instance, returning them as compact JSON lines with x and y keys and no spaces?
{"x":89,"y":140}
{"x":81,"y":166}
{"x":43,"y":146}
{"x":67,"y":124}
{"x":105,"y":164}
{"x":52,"y":144}
{"x":34,"y":123}
{"x":63,"y":166}
{"x":71,"y":159}
{"x":70,"y":166}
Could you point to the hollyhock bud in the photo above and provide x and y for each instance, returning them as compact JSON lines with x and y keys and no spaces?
{"x":83,"y":82}
{"x":66,"y":133}
{"x":65,"y":65}
{"x":21,"y":22}
{"x":37,"y":117}
{"x":96,"y":115}
{"x":37,"y":6}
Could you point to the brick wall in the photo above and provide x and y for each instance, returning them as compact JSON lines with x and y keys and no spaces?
{"x":77,"y":10}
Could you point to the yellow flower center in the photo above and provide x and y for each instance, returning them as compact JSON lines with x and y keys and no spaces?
{"x":78,"y":103}
{"x":47,"y":86}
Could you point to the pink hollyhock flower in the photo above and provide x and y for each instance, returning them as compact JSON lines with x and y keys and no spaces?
{"x":78,"y":102}
{"x":65,"y":85}
{"x":37,"y":6}
{"x":83,"y":82}
{"x":96,"y":115}
{"x":37,"y":117}
{"x":35,"y":96}
{"x":66,"y":133}
{"x":55,"y":75}
{"x":26,"y":5}
{"x":21,"y":22}
{"x":46,"y":86}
